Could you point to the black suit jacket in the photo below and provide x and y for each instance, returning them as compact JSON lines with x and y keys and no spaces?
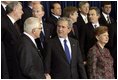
{"x":9,"y":37}
{"x":48,"y":35}
{"x":103,"y":21}
{"x":27,"y":13}
{"x":30,"y":59}
{"x":56,"y":62}
{"x":87,"y":38}
{"x":53,"y":20}
{"x":74,"y":34}
{"x":80,"y":20}
{"x":3,"y":12}
{"x":4,"y":67}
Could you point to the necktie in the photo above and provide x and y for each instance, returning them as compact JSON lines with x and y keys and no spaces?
{"x":108,"y":20}
{"x":95,"y":26}
{"x":42,"y":38}
{"x":67,"y":52}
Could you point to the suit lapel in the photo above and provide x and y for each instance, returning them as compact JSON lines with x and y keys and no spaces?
{"x":12,"y":28}
{"x":61,"y":49}
{"x":72,"y":49}
{"x":33,"y":45}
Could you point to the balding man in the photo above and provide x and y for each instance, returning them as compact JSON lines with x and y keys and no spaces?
{"x":38,"y":12}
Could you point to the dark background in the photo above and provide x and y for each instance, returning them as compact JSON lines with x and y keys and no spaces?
{"x":47,"y":4}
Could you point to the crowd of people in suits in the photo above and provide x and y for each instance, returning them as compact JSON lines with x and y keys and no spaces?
{"x":72,"y":43}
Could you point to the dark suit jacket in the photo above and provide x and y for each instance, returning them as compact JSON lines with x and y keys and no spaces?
{"x":74,"y":35}
{"x":3,"y":12}
{"x":9,"y":36}
{"x":30,"y":59}
{"x":4,"y":67}
{"x":80,"y":20}
{"x":56,"y":62}
{"x":87,"y":39}
{"x":103,"y":21}
{"x":27,"y":13}
{"x":48,"y":35}
{"x":53,"y":20}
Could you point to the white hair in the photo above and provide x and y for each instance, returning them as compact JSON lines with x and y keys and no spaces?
{"x":30,"y":24}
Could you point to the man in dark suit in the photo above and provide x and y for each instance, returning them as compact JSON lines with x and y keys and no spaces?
{"x":30,"y":58}
{"x":83,"y":13}
{"x":87,"y":39}
{"x":105,"y":17}
{"x":63,"y":56}
{"x":38,"y":12}
{"x":9,"y":36}
{"x":56,"y":12}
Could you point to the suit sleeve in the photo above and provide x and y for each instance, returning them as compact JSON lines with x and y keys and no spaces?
{"x":81,"y":69}
{"x":47,"y":61}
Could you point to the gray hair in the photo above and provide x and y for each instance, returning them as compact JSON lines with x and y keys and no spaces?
{"x":10,"y":6}
{"x":70,"y":24}
{"x":30,"y":24}
{"x":82,"y":3}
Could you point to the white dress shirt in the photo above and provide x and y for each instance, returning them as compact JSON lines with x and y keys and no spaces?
{"x":12,"y":20}
{"x":97,"y":24}
{"x":32,"y":39}
{"x":84,"y":18}
{"x":105,"y":15}
{"x":56,"y":16}
{"x":68,"y":44}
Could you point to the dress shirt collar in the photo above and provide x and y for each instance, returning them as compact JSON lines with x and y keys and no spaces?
{"x":62,"y":39}
{"x":97,"y":24}
{"x":105,"y":15}
{"x":41,"y":22}
{"x":56,"y":16}
{"x":68,"y":43}
{"x":12,"y":20}
{"x":30,"y":7}
{"x":4,"y":5}
{"x":83,"y":16}
{"x":31,"y":38}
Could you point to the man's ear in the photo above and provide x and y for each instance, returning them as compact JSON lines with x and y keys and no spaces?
{"x":69,"y":29}
{"x":51,"y":10}
{"x":33,"y":30}
{"x":79,"y":9}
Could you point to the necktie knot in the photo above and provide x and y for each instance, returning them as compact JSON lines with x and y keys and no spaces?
{"x":108,"y":19}
{"x":95,"y":26}
{"x":65,"y":41}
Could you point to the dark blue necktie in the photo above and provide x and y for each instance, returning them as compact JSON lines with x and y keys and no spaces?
{"x":67,"y":51}
{"x":42,"y":38}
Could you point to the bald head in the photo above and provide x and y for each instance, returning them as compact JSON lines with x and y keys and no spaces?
{"x":38,"y":11}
